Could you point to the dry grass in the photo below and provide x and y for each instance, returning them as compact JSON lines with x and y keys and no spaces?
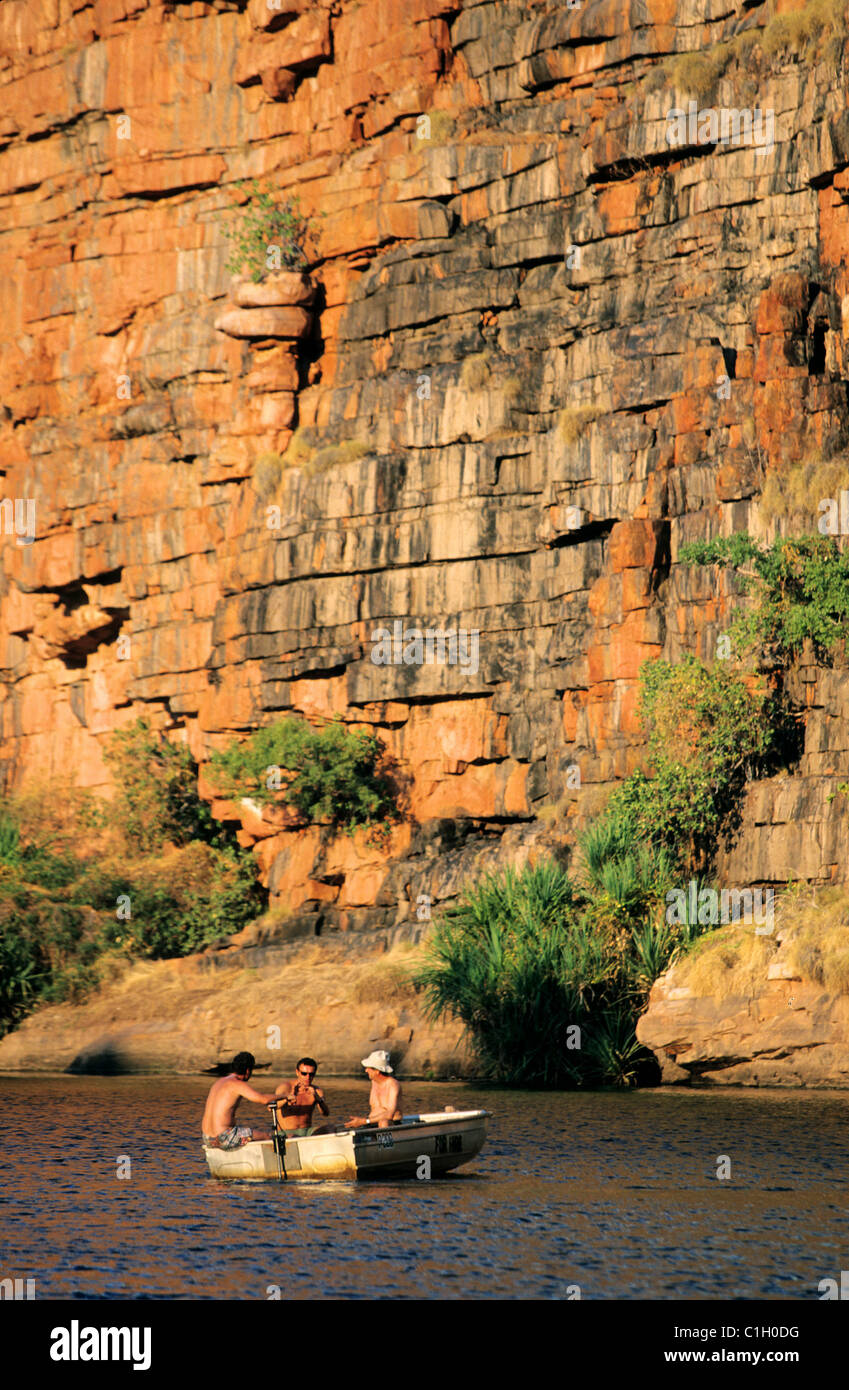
{"x":803,"y":34}
{"x":442,"y":126}
{"x":697,"y":74}
{"x":572,"y":422}
{"x":305,"y":452}
{"x":795,"y":495}
{"x":812,"y":926}
{"x":513,"y":391}
{"x":476,"y":371}
{"x":62,"y":817}
{"x":729,"y":961}
{"x":805,"y":31}
{"x":301,"y":448}
{"x":346,"y":451}
{"x":818,"y":938}
{"x":388,"y":979}
{"x":268,"y":471}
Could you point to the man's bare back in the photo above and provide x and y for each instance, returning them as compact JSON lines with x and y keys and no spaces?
{"x":219,"y":1114}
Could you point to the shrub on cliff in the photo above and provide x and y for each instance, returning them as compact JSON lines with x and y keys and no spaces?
{"x":156,"y":790}
{"x":709,"y":730}
{"x":183,"y":901}
{"x":332,"y":775}
{"x":271,"y":235}
{"x":799,"y":587}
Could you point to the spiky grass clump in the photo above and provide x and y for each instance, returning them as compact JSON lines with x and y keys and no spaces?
{"x":442,"y":126}
{"x":267,"y":474}
{"x":300,"y":448}
{"x":514,"y":962}
{"x":698,"y":74}
{"x":476,"y":371}
{"x":804,"y":33}
{"x":346,"y":451}
{"x":818,"y":29}
{"x":794,"y":495}
{"x":306,"y":452}
{"x":573,"y":422}
{"x":548,"y":973}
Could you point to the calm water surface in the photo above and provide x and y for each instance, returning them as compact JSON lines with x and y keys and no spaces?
{"x":614,"y":1192}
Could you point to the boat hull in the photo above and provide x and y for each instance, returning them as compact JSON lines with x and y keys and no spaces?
{"x":445,"y":1140}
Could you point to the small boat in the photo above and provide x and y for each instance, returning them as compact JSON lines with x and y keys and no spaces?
{"x":444,"y":1139}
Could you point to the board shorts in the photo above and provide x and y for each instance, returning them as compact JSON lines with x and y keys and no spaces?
{"x":229,"y":1138}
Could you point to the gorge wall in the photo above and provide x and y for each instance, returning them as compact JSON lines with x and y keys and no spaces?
{"x":540,"y":348}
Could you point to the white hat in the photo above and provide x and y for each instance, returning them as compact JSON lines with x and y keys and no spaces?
{"x":379,"y":1061}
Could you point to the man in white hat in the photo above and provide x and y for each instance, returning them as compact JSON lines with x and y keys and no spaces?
{"x":385,"y":1096}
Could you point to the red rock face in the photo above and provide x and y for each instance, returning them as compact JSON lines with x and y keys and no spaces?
{"x":536,"y":350}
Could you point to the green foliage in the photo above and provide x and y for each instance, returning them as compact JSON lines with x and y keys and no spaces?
{"x":267,"y":226}
{"x":176,"y":913}
{"x":334,"y":773}
{"x":56,"y":928}
{"x":514,"y":964}
{"x":156,"y":790}
{"x":10,"y":841}
{"x":707,"y":732}
{"x":622,"y":876}
{"x":526,"y":958}
{"x":800,"y":588}
{"x":47,"y":951}
{"x":59,"y":898}
{"x":612,"y":1049}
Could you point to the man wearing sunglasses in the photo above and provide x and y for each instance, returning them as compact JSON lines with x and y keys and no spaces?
{"x":300,"y":1098}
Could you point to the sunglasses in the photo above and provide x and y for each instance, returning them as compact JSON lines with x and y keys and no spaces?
{"x":305,"y":1073}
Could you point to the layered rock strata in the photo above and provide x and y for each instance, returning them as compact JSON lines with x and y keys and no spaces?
{"x":546,"y":346}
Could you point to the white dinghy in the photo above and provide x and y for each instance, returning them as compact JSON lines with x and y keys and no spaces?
{"x":446,"y":1139}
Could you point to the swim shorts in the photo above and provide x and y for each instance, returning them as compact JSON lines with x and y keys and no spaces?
{"x":229,"y":1138}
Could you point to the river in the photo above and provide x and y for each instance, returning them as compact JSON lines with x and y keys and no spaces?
{"x":614,"y":1194}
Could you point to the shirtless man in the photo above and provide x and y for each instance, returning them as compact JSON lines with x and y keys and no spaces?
{"x":301,"y":1096}
{"x":219,"y":1117}
{"x":385,"y":1095}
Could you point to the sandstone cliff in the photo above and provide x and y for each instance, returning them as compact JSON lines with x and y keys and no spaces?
{"x":539,"y":348}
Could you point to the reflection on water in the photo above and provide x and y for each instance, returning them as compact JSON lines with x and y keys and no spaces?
{"x":616,"y":1193}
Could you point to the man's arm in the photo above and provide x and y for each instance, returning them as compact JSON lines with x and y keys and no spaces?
{"x":248,"y":1092}
{"x":321,"y":1102}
